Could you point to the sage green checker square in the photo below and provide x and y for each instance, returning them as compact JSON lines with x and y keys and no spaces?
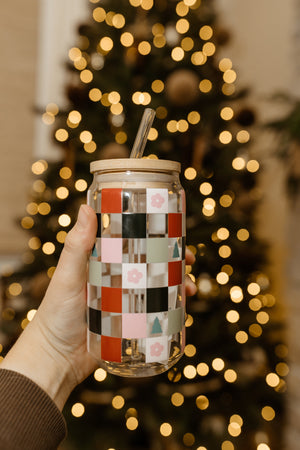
{"x":157,"y":250}
{"x":175,"y":320}
{"x":95,"y":273}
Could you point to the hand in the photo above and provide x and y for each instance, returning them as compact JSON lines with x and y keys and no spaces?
{"x":52,"y":349}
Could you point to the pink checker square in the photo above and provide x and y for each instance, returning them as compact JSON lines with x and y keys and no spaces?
{"x":111,"y":250}
{"x":134,"y":325}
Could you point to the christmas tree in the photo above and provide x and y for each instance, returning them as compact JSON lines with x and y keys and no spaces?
{"x":226,"y":392}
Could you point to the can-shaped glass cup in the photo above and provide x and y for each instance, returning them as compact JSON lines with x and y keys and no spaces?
{"x":136,"y":293}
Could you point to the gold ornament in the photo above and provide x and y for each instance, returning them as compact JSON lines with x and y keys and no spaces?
{"x":182,"y":87}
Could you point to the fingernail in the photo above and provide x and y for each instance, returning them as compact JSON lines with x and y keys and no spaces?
{"x":82,"y":219}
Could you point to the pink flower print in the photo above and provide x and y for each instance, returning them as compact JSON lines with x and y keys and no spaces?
{"x":157,"y":200}
{"x":156,"y":349}
{"x":134,"y":276}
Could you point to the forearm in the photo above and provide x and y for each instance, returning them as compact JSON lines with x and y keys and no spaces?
{"x":29,"y":419}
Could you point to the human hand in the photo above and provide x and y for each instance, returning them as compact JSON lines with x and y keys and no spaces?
{"x":52,"y":349}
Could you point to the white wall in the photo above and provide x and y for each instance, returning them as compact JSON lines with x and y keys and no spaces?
{"x":57,"y":34}
{"x":262,"y":52}
{"x":262,"y":36}
{"x":265,"y":50}
{"x":18,"y":36}
{"x":35,"y":36}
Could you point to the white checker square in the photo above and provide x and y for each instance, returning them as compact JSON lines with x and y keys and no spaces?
{"x":134,"y":276}
{"x":157,"y":275}
{"x":157,"y":200}
{"x":157,"y":349}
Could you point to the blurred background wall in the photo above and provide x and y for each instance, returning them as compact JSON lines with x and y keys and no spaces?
{"x":265,"y":51}
{"x":35,"y":37}
{"x":18,"y":70}
{"x":261,"y":48}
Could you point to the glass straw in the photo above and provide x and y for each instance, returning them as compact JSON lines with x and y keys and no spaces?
{"x":142,"y":134}
{"x":137,"y":152}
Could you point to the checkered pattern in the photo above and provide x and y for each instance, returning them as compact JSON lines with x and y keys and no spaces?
{"x":136,"y":274}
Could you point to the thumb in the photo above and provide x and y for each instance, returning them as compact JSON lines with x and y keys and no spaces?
{"x":71,"y":268}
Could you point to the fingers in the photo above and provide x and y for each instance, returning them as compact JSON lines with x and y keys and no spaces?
{"x":189,"y":256}
{"x":190,"y":287}
{"x":71,"y":268}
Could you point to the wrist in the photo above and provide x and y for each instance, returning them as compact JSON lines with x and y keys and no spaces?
{"x":35,"y":358}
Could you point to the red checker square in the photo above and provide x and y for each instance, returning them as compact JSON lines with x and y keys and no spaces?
{"x":174,"y":273}
{"x":111,"y":299}
{"x":111,"y":200}
{"x":111,"y":348}
{"x":175,"y":225}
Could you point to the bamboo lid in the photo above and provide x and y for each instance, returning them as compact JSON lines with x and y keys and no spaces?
{"x":135,"y":164}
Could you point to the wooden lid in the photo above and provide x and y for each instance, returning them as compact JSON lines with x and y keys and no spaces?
{"x":135,"y":164}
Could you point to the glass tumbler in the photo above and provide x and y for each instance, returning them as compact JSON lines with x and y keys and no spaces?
{"x":136,"y":295}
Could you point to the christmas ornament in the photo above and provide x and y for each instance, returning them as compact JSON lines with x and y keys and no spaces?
{"x":182,"y":87}
{"x":172,"y":37}
{"x":245,"y":117}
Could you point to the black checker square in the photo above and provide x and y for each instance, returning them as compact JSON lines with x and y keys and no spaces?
{"x":157,"y":299}
{"x":134,"y":225}
{"x":99,"y":224}
{"x":94,"y":320}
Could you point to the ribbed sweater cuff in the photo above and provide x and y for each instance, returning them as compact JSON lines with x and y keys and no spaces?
{"x":29,"y":419}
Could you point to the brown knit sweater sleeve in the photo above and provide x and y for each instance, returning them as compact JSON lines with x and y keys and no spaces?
{"x":29,"y":419}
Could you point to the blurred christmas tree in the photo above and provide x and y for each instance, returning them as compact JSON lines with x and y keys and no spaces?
{"x":226,"y":393}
